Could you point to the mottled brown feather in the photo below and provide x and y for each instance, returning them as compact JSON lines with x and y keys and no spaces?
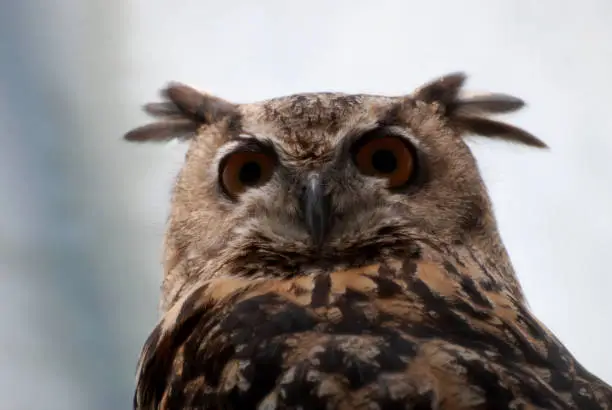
{"x":431,"y":344}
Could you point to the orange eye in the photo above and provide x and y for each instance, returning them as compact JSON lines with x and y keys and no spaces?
{"x":386,"y":157}
{"x":246,"y":169}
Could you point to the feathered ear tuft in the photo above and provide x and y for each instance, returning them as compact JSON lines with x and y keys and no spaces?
{"x":469,"y":114}
{"x":184,"y":111}
{"x":443,"y":90}
{"x":496,"y":129}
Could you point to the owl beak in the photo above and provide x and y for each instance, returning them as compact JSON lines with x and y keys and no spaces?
{"x":316,"y":207}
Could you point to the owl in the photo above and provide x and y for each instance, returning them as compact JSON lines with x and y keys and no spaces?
{"x":339,"y":251}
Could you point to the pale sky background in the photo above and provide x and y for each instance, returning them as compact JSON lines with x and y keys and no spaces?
{"x":82,"y":213}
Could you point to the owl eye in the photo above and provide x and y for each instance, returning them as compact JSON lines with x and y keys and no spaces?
{"x":242,"y":170}
{"x":388,"y":157}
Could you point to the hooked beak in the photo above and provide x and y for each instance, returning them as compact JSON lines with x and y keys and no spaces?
{"x":316,"y":207}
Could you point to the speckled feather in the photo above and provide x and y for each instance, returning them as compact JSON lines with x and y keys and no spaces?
{"x":410,"y":303}
{"x":412,"y":333}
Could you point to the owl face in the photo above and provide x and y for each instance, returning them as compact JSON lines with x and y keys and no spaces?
{"x":319,"y":181}
{"x":339,"y":198}
{"x":328,"y":179}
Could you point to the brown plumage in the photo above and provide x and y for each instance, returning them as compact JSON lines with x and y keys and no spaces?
{"x":334,"y":251}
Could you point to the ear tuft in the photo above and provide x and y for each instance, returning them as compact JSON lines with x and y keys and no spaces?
{"x":443,"y":90}
{"x":162,"y":131}
{"x":183,"y":112}
{"x":495,"y":129}
{"x":162,"y":109}
{"x":469,"y":114}
{"x":493,"y":103}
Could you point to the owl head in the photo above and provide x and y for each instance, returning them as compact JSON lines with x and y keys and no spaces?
{"x":320,"y":181}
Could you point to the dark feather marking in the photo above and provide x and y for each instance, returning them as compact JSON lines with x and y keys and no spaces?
{"x":201,"y":361}
{"x":533,"y":328}
{"x":423,"y":400}
{"x":273,"y":315}
{"x":561,"y":378}
{"x":333,"y":359}
{"x":468,"y":285}
{"x":497,"y":396}
{"x":299,"y":392}
{"x":263,"y":371}
{"x":320,"y":292}
{"x":495,"y":285}
{"x":156,"y":369}
{"x":452,"y":327}
{"x":353,"y":320}
{"x":583,"y":396}
{"x":490,"y":285}
{"x":355,"y":295}
{"x":190,"y":305}
{"x":386,"y":288}
{"x":152,"y":343}
{"x":384,"y":271}
{"x":409,"y":269}
{"x":399,"y":346}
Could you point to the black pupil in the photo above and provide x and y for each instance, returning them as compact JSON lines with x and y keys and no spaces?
{"x":250,"y":173}
{"x":384,"y":161}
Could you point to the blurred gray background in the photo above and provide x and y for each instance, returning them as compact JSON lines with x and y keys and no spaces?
{"x":82,"y":213}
